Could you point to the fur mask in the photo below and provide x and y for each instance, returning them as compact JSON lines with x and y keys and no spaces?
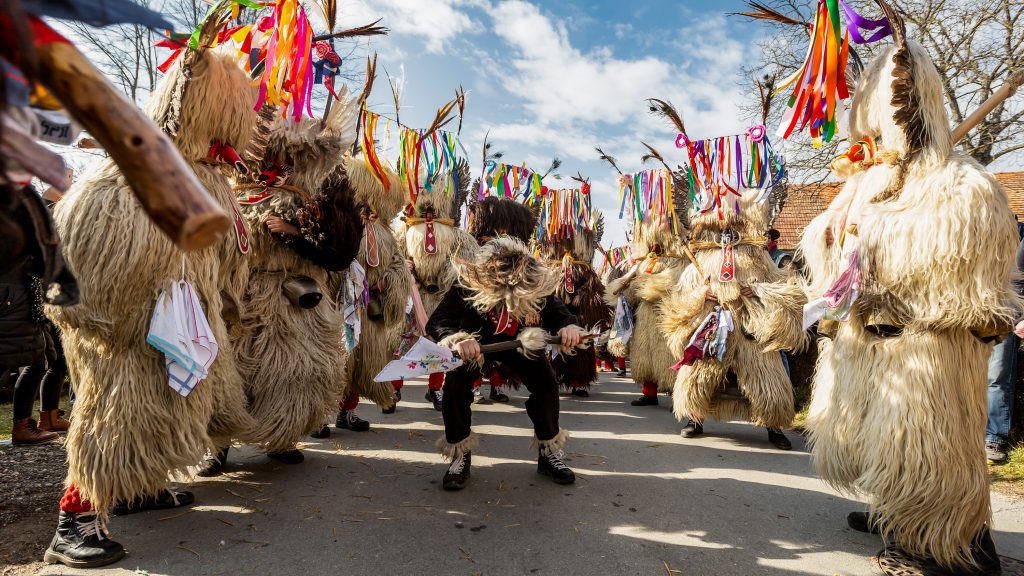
{"x":505,"y":273}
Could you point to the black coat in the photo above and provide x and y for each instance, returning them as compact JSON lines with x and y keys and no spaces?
{"x":23,"y":339}
{"x":456,"y":314}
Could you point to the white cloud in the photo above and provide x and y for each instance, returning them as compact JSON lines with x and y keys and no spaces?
{"x":562,"y":84}
{"x":435,"y":22}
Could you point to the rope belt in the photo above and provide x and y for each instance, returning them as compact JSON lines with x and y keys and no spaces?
{"x":414,"y":220}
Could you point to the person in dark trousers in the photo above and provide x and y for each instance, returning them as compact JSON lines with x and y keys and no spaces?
{"x":501,"y":294}
{"x":1002,"y":380}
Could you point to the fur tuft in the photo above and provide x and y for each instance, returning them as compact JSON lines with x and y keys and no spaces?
{"x":549,"y":447}
{"x":452,"y":451}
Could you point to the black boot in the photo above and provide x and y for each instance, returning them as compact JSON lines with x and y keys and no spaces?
{"x":862,"y":522}
{"x":478,"y":395}
{"x":214,"y":464}
{"x":554,"y":467}
{"x":457,"y":475}
{"x":645,"y":400}
{"x":434,"y":397}
{"x":497,"y":395}
{"x":163,"y":500}
{"x":778,"y":439}
{"x":581,"y":392}
{"x":293,"y":456}
{"x":391,"y":409}
{"x":894,"y":561}
{"x":621,"y":373}
{"x":82,"y":542}
{"x":347,"y":420}
{"x":692,"y":429}
{"x":323,"y":432}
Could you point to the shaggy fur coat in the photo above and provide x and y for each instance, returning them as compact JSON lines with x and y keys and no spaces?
{"x":434,"y":273}
{"x":764,"y":324}
{"x":384,"y":320}
{"x":582,"y":292}
{"x":650,"y":280}
{"x":291,"y":357}
{"x":899,"y":404}
{"x":130,"y":429}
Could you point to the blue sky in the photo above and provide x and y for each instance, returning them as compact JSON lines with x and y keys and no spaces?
{"x":558,"y":78}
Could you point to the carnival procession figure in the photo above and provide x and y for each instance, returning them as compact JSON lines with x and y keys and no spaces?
{"x":659,"y":232}
{"x":380,"y":195}
{"x":289,"y":350}
{"x":899,"y":403}
{"x":430,"y":237}
{"x":503,"y":294}
{"x":610,"y":349}
{"x":733,"y":310}
{"x":567,"y":240}
{"x":130,"y":428}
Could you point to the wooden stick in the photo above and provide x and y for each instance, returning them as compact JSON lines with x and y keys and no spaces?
{"x":997,"y":98}
{"x":164,"y":184}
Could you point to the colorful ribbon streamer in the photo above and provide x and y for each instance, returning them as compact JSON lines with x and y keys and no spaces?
{"x":563,"y":213}
{"x":725,"y":166}
{"x":648,"y":197}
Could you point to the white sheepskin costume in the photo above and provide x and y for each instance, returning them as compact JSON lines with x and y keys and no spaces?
{"x":899,"y":404}
{"x":131,"y":430}
{"x":763,"y":325}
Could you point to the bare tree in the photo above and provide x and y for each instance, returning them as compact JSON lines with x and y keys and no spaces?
{"x":975,"y":45}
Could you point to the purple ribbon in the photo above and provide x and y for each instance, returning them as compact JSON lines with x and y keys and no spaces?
{"x":855,"y":23}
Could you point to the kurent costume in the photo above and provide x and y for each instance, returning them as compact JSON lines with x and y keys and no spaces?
{"x":658,"y":239}
{"x":383,"y":320}
{"x":567,"y":237}
{"x":732,"y":310}
{"x":130,"y":428}
{"x":730,"y":367}
{"x":924,"y":236}
{"x":502,"y":293}
{"x":430,"y":237}
{"x":290,"y":352}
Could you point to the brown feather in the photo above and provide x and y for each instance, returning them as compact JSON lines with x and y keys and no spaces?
{"x":654,"y":155}
{"x":443,"y":117}
{"x":759,"y":11}
{"x":608,"y":158}
{"x":667,"y":111}
{"x":371,"y":29}
{"x":460,"y":99}
{"x":905,"y":98}
{"x":330,"y":10}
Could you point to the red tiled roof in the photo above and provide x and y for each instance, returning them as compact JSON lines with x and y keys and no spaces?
{"x":807,"y":201}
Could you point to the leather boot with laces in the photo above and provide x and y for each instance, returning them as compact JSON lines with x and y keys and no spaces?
{"x":434,"y":397}
{"x":554,"y":467}
{"x":24,"y":432}
{"x":347,"y":420}
{"x":81,"y":542}
{"x":457,"y":475}
{"x":497,"y":395}
{"x":163,"y":500}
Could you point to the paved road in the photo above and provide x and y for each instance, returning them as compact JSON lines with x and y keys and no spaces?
{"x":647,"y":501}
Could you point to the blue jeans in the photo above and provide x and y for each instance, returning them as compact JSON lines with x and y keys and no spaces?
{"x":1002,"y":379}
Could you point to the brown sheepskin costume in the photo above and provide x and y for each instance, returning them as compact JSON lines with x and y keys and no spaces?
{"x":130,"y":429}
{"x":660,"y":260}
{"x":763,"y":325}
{"x":582,"y":292}
{"x":390,"y":282}
{"x":899,"y":404}
{"x":290,"y":356}
{"x":440,"y":210}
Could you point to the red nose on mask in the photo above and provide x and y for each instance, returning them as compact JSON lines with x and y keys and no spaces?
{"x":225,"y":153}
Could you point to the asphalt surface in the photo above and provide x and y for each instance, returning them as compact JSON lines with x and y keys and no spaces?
{"x":647,"y":501}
